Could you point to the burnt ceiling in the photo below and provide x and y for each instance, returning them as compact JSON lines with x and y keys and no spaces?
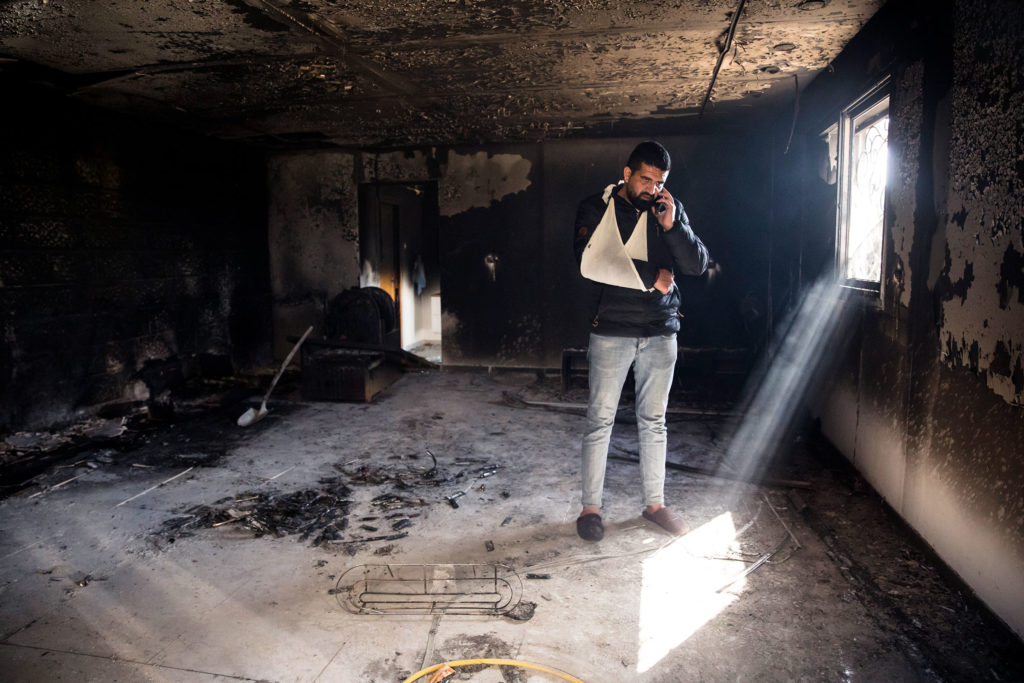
{"x":376,"y":73}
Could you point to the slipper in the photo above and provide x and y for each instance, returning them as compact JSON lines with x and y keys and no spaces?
{"x":589,"y":527}
{"x":668,"y":520}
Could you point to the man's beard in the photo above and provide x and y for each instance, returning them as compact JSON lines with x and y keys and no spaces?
{"x":640,"y":202}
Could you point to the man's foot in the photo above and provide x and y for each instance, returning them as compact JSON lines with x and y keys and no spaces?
{"x":667,"y":519}
{"x":589,"y":527}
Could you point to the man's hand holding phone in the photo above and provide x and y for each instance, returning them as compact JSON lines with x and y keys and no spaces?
{"x":664,"y":209}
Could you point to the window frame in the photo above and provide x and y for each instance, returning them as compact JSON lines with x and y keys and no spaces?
{"x":849,"y":123}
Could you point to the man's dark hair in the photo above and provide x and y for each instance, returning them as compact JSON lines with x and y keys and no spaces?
{"x":651,"y":153}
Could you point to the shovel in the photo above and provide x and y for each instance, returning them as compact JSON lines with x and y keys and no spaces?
{"x":253,"y":415}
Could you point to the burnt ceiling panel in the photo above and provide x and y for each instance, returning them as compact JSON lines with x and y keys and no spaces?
{"x":112,"y":35}
{"x":378,"y":73}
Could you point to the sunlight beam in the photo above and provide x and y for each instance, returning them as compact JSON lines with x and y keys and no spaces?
{"x":804,"y":354}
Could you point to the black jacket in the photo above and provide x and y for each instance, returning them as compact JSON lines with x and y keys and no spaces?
{"x":625,"y":312}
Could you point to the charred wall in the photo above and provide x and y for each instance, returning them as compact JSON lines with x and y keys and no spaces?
{"x":518,"y":294}
{"x":492,"y":262}
{"x":927,"y":398}
{"x":313,"y":231}
{"x":510,"y":287}
{"x":131,"y":259}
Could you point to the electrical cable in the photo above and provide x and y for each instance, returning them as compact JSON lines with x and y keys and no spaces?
{"x":796,"y":112}
{"x":721,"y":55}
{"x":492,"y":662}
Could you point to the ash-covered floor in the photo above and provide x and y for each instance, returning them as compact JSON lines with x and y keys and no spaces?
{"x":186,"y":548}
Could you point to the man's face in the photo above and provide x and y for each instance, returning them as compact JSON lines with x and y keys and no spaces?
{"x":643,"y":184}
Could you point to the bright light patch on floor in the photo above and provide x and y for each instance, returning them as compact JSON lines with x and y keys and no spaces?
{"x":680,"y":590}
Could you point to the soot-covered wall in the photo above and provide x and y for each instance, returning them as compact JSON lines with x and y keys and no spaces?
{"x":313,"y":235}
{"x":927,"y":399}
{"x":510,"y":288}
{"x":131,"y":259}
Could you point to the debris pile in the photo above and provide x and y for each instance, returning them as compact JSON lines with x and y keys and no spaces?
{"x":469,"y":470}
{"x":27,"y":457}
{"x":320,"y":514}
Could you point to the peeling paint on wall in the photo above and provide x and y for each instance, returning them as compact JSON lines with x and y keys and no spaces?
{"x":1011,"y":272}
{"x":927,"y":404}
{"x":985,"y":235}
{"x":478,"y":180}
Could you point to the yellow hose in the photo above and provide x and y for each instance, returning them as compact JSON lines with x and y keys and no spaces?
{"x":492,"y":662}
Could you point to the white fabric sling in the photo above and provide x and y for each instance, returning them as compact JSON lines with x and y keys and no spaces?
{"x":606,"y":259}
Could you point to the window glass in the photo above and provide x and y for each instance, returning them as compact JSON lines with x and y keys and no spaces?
{"x":861,"y":138}
{"x":868,"y":155}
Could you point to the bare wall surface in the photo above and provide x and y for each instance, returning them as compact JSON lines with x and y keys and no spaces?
{"x":479,"y":180}
{"x":927,"y":402}
{"x":131,"y":259}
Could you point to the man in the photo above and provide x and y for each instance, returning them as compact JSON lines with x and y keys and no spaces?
{"x":631,"y":241}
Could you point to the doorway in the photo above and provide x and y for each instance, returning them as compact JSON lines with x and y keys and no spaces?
{"x":399,"y":252}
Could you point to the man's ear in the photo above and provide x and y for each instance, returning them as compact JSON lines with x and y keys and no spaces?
{"x":626,"y":172}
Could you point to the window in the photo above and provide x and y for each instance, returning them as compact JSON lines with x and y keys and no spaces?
{"x":860,"y":143}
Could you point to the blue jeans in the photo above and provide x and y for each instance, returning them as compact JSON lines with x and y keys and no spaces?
{"x":654,"y":361}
